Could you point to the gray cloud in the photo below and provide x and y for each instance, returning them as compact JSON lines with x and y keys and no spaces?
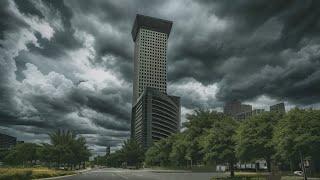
{"x":68,"y":64}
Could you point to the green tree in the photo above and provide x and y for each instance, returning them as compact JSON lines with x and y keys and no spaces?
{"x":67,"y":149}
{"x":46,"y":154}
{"x":178,"y":154}
{"x":254,"y":137}
{"x":115,"y":159}
{"x":132,"y":153}
{"x":100,"y":160}
{"x":199,"y":122}
{"x":185,"y":148}
{"x":218,"y":142}
{"x":158,"y":154}
{"x":299,"y":133}
{"x":25,"y":154}
{"x":80,"y":151}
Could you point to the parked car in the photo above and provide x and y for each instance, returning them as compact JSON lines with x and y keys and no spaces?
{"x":298,"y":173}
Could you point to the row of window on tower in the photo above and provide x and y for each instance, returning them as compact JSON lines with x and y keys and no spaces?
{"x":152,"y":34}
{"x":148,"y":50}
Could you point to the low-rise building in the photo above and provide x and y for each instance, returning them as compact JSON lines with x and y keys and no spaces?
{"x":278,"y":108}
{"x":248,"y":114}
{"x":7,"y":142}
{"x":257,"y":111}
{"x":233,"y":108}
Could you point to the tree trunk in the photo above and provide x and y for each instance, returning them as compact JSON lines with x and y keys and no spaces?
{"x":231,"y":167}
{"x":268,"y":160}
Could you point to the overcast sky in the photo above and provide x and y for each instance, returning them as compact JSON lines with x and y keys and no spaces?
{"x":69,"y":64}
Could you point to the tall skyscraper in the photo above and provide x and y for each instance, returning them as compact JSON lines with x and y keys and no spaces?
{"x":155,"y":115}
{"x":150,"y":36}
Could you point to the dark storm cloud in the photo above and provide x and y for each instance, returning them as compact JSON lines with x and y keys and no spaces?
{"x":63,"y":38}
{"x":113,"y":33}
{"x":27,"y":7}
{"x":256,"y":36}
{"x":300,"y":21}
{"x":105,"y":102}
{"x":8,"y":21}
{"x":26,"y":107}
{"x":70,"y":63}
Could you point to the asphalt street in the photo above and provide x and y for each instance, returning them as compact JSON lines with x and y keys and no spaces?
{"x":125,"y":174}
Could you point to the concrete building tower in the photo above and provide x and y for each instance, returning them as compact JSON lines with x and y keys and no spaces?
{"x":150,"y":36}
{"x":155,"y":115}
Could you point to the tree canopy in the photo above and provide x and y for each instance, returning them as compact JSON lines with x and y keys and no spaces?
{"x":254,"y":137}
{"x":211,"y":137}
{"x":65,"y":149}
{"x":299,"y":132}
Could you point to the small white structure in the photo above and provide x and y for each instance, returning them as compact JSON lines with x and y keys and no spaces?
{"x":258,"y":164}
{"x":221,"y":168}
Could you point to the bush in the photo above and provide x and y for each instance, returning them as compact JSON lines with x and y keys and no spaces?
{"x":36,"y":174}
{"x":15,"y":175}
{"x":30,"y":173}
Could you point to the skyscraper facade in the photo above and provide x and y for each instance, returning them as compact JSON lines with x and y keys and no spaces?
{"x":155,"y":115}
{"x":150,"y":36}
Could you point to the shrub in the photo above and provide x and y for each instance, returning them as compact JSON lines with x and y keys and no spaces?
{"x":30,"y":173}
{"x":13,"y":175}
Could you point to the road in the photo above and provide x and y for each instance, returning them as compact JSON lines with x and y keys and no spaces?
{"x":145,"y":174}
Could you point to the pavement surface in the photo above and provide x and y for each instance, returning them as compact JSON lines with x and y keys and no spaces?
{"x":143,"y":174}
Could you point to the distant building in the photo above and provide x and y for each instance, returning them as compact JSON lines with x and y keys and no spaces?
{"x":232,"y":108}
{"x":155,"y":115}
{"x":7,"y":142}
{"x":257,"y":111}
{"x":246,"y":108}
{"x":235,"y":108}
{"x":248,"y":114}
{"x":278,"y":108}
{"x":243,"y":115}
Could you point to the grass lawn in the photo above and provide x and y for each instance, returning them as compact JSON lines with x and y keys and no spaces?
{"x":297,"y":178}
{"x":30,"y":173}
{"x":259,"y":176}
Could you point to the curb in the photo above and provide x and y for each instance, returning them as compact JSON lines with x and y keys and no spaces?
{"x":57,"y":177}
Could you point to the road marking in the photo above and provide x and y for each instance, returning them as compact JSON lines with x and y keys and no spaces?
{"x":121,"y":175}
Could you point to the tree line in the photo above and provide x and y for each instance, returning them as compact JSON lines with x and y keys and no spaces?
{"x":213,"y":138}
{"x":131,"y":154}
{"x":64,"y":150}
